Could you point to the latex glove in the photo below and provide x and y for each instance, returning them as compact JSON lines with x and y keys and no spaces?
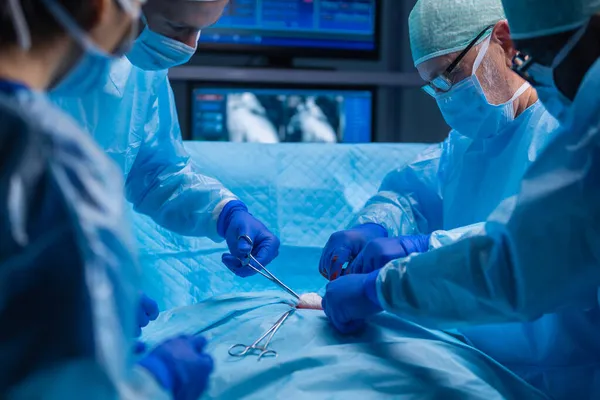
{"x":344,"y":246}
{"x":234,"y":223}
{"x":147,"y":311}
{"x":350,"y":300}
{"x":180,"y":366}
{"x":378,"y":252}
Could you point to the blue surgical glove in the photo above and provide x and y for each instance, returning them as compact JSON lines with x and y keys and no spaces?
{"x":378,"y":252}
{"x":350,"y":300}
{"x":147,"y":311}
{"x":235,"y":223}
{"x":180,"y":366}
{"x":344,"y":246}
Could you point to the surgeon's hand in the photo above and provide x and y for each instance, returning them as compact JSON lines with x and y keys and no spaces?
{"x":350,"y":300}
{"x":147,"y":311}
{"x":244,"y":235}
{"x":180,"y":366}
{"x":378,"y":252}
{"x":344,"y":246}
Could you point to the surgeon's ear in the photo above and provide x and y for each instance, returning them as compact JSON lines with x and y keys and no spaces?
{"x":100,"y":12}
{"x":501,"y":35}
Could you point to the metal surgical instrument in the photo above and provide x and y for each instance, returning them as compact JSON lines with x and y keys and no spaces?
{"x":265,"y":272}
{"x":264,"y":351}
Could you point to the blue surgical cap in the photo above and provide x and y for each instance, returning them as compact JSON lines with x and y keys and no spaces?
{"x":533,"y":18}
{"x":440,"y":27}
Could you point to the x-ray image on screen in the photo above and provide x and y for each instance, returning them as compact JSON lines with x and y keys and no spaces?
{"x":309,"y":122}
{"x":278,"y":115}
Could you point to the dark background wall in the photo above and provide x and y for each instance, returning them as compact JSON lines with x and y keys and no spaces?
{"x":403,"y":112}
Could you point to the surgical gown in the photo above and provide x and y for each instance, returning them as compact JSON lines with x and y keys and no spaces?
{"x":134,"y":119}
{"x":459,"y":182}
{"x":540,"y":263}
{"x":68,"y":276}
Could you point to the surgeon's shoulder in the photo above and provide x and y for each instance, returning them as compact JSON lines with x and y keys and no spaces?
{"x":542,"y":120}
{"x":65,"y":132}
{"x":124,"y":79}
{"x":21,"y":139}
{"x":30,"y":194}
{"x":435,"y":152}
{"x":90,"y":182}
{"x":72,"y":150}
{"x":51,"y":161}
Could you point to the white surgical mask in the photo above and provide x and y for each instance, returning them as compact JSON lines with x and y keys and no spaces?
{"x":153,"y":51}
{"x":466,"y":109}
{"x":557,"y":104}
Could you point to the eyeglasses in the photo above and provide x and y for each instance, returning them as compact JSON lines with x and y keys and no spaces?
{"x":443,"y":82}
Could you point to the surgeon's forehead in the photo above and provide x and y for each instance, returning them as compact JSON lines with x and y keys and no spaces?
{"x":197,"y":14}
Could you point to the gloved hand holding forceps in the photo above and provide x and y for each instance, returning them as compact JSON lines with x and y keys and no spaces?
{"x":245,"y":235}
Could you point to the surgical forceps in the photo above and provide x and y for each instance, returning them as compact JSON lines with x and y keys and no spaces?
{"x":265,"y":272}
{"x":264,"y":350}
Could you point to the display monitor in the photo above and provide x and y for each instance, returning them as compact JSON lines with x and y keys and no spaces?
{"x":297,"y":28}
{"x":275,"y":115}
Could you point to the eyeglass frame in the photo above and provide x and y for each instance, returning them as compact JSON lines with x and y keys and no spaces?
{"x":443,"y":82}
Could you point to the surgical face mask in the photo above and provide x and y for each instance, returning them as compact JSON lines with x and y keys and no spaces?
{"x":466,"y":109}
{"x":153,"y":51}
{"x":93,"y":67}
{"x":557,"y":104}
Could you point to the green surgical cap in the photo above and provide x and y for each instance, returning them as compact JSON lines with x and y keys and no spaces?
{"x":533,"y":18}
{"x":440,"y":27}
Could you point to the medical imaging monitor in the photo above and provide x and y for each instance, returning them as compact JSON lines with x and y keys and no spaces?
{"x":279,"y":114}
{"x":296,"y":28}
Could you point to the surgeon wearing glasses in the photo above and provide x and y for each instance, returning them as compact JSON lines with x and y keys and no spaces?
{"x":498,"y":129}
{"x":525,"y":289}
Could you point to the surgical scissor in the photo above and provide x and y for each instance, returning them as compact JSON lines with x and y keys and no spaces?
{"x":265,"y":272}
{"x":264,"y":350}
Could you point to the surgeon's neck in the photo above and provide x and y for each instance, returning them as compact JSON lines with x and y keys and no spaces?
{"x":526,"y":100}
{"x":35,"y":68}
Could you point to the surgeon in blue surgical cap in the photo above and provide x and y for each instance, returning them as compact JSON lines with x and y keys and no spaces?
{"x":134,"y":119}
{"x":463,"y":50}
{"x":536,"y":262}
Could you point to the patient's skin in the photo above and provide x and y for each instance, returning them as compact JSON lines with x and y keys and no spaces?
{"x":310,"y":301}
